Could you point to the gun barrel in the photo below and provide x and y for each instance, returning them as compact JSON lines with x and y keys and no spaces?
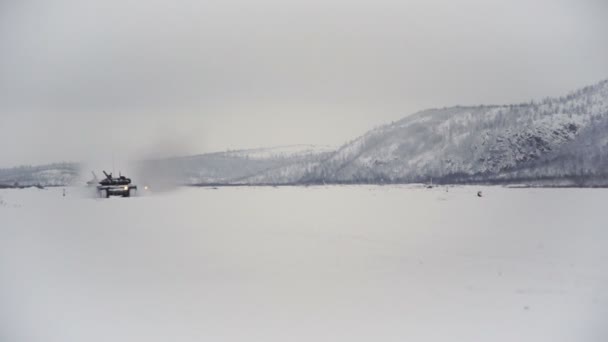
{"x":107,"y":176}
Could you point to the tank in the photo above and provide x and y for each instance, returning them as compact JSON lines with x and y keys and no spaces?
{"x":116,"y":186}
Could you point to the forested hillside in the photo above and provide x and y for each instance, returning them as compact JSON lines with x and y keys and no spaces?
{"x":58,"y":174}
{"x":555,"y":141}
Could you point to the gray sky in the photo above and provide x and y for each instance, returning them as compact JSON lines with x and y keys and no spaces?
{"x":80,"y":78}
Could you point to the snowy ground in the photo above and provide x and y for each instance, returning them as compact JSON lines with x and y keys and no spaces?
{"x":350,"y":263}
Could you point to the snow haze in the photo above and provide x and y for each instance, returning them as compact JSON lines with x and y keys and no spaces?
{"x":100,"y":80}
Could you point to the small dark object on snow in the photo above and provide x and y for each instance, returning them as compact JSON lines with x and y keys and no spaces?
{"x":479,"y":194}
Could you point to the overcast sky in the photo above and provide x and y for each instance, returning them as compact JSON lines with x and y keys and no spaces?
{"x":80,"y":78}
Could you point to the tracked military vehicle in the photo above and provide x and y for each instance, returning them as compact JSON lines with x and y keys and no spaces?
{"x":120,"y":186}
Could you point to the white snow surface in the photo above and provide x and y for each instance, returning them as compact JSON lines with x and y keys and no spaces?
{"x":336,"y":263}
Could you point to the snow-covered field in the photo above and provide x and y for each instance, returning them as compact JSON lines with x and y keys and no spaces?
{"x":343,"y":263}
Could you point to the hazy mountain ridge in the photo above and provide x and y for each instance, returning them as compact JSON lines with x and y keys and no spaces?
{"x":57,"y":174}
{"x":288,"y":151}
{"x":236,"y":167}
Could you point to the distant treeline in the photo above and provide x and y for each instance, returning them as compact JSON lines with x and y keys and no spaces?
{"x":56,"y":174}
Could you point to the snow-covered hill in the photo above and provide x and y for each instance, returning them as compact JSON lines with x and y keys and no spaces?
{"x":556,"y":141}
{"x":59,"y":174}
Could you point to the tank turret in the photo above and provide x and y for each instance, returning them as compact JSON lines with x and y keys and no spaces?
{"x":121,"y":180}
